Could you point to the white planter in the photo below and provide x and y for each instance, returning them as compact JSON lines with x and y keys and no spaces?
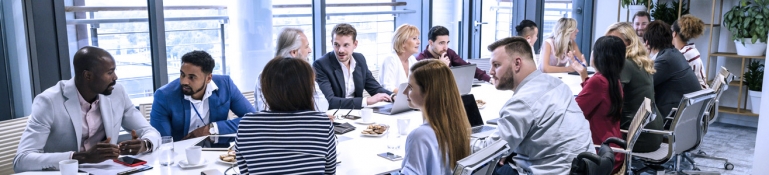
{"x":750,"y":49}
{"x":755,"y":101}
{"x":635,"y":8}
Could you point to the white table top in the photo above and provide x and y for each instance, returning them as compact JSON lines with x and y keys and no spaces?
{"x":358,"y":154}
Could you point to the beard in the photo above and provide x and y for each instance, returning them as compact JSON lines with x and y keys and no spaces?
{"x":506,"y":82}
{"x":191,"y":91}
{"x":108,"y":91}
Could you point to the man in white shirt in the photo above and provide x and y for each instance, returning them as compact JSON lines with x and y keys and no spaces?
{"x":343,"y":74}
{"x":291,"y":43}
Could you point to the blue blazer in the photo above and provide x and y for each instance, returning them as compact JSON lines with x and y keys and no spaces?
{"x":171,"y":112}
{"x":330,"y":79}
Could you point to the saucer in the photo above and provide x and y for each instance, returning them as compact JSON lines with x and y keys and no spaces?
{"x":364,"y":123}
{"x":228,"y":163}
{"x":183,"y":164}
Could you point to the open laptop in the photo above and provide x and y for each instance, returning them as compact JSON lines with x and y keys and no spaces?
{"x":475,"y":119}
{"x":464,"y":76}
{"x":399,"y":105}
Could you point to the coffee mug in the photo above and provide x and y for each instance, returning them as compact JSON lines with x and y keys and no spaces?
{"x":193,"y":155}
{"x":68,"y":167}
{"x":366,"y":114}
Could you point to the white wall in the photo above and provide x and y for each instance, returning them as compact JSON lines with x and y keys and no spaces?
{"x":761,"y":154}
{"x":605,"y":15}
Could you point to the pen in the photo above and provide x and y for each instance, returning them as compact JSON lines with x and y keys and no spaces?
{"x":580,"y":62}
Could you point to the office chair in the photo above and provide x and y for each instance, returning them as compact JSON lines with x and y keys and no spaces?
{"x":643,"y":116}
{"x":596,"y":164}
{"x":484,"y":161}
{"x":720,"y":84}
{"x":684,"y":134}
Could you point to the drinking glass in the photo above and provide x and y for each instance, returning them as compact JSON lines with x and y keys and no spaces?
{"x":166,"y":151}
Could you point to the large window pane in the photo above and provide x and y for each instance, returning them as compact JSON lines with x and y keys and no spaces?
{"x":194,"y":25}
{"x":554,"y":10}
{"x":120,"y":27}
{"x":375,"y":31}
{"x":18,"y":58}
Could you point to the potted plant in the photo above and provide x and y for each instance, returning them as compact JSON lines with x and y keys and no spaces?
{"x":635,"y":5}
{"x":748,"y":24}
{"x":668,"y":12}
{"x":754,"y":78}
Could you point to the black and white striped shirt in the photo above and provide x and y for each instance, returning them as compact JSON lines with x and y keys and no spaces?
{"x":286,"y":143}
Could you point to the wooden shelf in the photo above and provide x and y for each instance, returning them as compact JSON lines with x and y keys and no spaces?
{"x":732,"y":110}
{"x":734,"y":55}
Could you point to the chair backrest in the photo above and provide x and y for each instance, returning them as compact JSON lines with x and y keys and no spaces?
{"x":719,"y":85}
{"x":641,"y":118}
{"x":686,"y":127}
{"x":11,"y":131}
{"x":146,"y":110}
{"x":483,"y":63}
{"x":482,"y":162}
{"x":251,"y":99}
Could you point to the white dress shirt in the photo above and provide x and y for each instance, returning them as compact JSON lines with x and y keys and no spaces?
{"x":349,"y":83}
{"x":391,"y":72}
{"x":202,"y":107}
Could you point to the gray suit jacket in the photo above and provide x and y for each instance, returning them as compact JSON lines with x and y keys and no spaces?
{"x":54,"y":129}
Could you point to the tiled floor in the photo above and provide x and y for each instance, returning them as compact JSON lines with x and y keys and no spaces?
{"x":733,"y":142}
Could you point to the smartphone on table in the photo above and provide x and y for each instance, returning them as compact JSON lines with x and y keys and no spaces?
{"x":390,"y":156}
{"x":129,"y":161}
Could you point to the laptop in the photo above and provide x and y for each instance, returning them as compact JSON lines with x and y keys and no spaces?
{"x":399,"y":105}
{"x":464,"y":76}
{"x":475,"y":119}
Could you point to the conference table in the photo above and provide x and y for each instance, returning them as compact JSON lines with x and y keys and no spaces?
{"x":356,"y":154}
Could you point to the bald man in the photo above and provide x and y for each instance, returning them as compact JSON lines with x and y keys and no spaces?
{"x":80,"y":119}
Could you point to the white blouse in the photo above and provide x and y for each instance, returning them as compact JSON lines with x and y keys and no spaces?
{"x":391,"y":72}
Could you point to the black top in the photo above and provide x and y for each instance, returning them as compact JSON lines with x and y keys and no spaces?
{"x":673,"y":79}
{"x":330,"y":79}
{"x":637,"y":85}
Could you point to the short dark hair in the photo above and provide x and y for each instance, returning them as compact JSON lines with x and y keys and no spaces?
{"x":345,"y":29}
{"x":514,"y":45}
{"x":609,"y":60}
{"x":436,"y":31}
{"x":87,"y":58}
{"x":658,"y":35}
{"x":525,"y":27}
{"x":200,"y":58}
{"x":642,"y":14}
{"x":288,"y":84}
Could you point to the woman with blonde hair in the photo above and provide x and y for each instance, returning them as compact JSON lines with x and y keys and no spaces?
{"x":444,"y":138}
{"x":394,"y":68}
{"x":561,"y":48}
{"x":684,"y":29}
{"x":637,"y":82}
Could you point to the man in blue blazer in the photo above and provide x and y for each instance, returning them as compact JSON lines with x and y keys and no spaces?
{"x":343,"y":74}
{"x":198,"y":103}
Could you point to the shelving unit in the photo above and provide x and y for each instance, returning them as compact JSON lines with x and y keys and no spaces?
{"x":741,"y":103}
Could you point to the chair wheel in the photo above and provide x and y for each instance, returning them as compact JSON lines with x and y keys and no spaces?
{"x":728,"y":166}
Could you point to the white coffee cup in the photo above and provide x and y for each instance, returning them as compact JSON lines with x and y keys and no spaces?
{"x":68,"y":167}
{"x":193,"y":155}
{"x":366,"y":114}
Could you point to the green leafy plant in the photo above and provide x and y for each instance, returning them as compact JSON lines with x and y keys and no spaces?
{"x":748,"y":20}
{"x":754,"y":77}
{"x":668,"y":12}
{"x":625,"y":3}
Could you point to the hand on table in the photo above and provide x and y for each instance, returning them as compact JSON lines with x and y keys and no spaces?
{"x":200,"y":132}
{"x":133,"y":146}
{"x":378,"y":98}
{"x":99,"y":153}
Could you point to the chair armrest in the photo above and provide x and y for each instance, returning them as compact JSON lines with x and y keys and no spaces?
{"x":671,"y":114}
{"x":623,"y":131}
{"x":653,"y":131}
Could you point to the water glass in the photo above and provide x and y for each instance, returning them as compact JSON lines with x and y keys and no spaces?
{"x":403,"y":126}
{"x":166,"y":151}
{"x":393,"y":138}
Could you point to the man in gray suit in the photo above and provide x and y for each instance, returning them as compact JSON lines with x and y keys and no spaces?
{"x":81,"y":118}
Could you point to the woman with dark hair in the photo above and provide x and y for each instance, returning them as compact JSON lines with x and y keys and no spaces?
{"x":444,"y":137}
{"x":684,"y":29}
{"x":266,"y":140}
{"x":601,"y":96}
{"x":674,"y":77}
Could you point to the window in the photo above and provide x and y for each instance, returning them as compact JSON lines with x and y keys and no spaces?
{"x":13,"y":38}
{"x":554,"y":10}
{"x":375,"y":26}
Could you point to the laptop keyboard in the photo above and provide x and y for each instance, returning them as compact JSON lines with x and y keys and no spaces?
{"x":484,"y":128}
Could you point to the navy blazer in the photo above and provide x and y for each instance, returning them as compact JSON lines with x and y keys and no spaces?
{"x":330,"y":79}
{"x":673,"y":79}
{"x":171,"y":112}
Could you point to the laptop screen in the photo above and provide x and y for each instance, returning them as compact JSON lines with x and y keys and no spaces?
{"x":471,"y":108}
{"x":463,"y":75}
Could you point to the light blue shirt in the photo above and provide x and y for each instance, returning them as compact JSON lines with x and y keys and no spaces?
{"x":423,"y":156}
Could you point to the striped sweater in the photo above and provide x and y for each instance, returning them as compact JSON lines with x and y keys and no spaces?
{"x":692,"y":56}
{"x":286,"y":143}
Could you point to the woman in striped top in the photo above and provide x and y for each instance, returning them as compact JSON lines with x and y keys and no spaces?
{"x":444,"y":137}
{"x":684,"y":29}
{"x":291,"y":138}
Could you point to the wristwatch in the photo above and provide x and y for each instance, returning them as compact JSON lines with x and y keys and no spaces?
{"x":147,"y":144}
{"x":212,"y":129}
